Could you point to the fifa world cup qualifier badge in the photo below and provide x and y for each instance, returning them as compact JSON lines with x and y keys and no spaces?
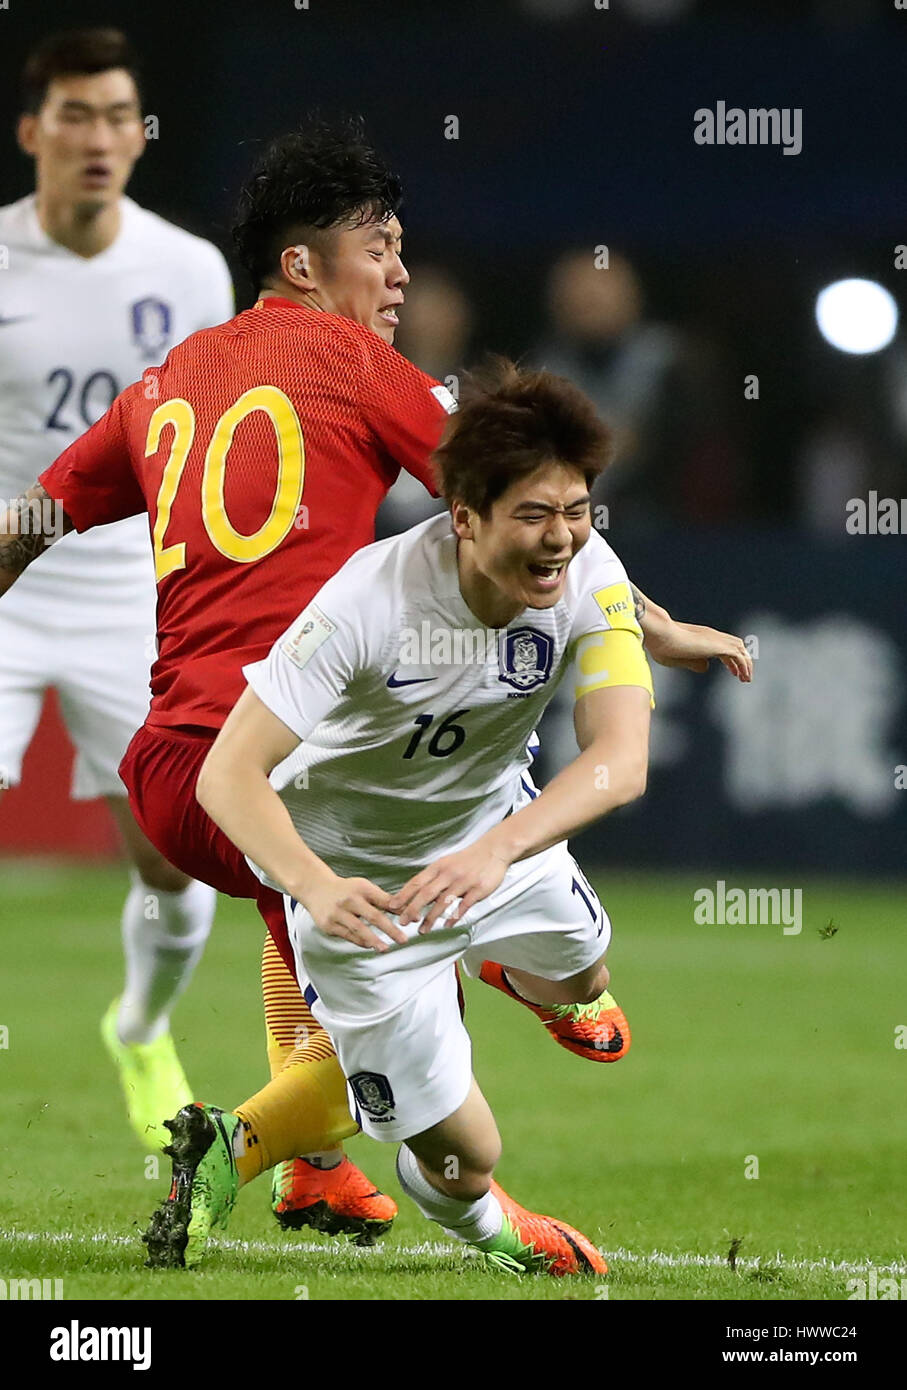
{"x":618,"y":605}
{"x":306,"y":635}
{"x":525,"y":658}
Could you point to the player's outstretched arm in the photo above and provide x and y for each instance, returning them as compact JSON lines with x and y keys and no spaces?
{"x":671,"y":643}
{"x":612,"y":729}
{"x":233,"y":788}
{"x":28,"y":525}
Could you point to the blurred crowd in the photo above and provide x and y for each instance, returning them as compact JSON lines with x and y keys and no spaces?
{"x":692,"y":445}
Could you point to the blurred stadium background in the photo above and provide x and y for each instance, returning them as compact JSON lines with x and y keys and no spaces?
{"x":575,"y":133}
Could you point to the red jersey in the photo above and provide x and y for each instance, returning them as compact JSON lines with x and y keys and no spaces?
{"x":261,"y":451}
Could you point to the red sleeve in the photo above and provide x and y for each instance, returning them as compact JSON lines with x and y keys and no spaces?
{"x":94,"y":479}
{"x":404,"y":408}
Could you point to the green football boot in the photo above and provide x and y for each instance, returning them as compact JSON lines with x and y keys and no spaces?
{"x":153,"y":1081}
{"x":203,"y":1189}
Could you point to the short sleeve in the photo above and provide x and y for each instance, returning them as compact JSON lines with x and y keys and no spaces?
{"x":405,"y":409}
{"x":606,"y":641}
{"x":94,"y":479}
{"x":306,"y":672}
{"x":604,"y":599}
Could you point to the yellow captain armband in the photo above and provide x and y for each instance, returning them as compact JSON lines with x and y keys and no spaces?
{"x":608,"y":658}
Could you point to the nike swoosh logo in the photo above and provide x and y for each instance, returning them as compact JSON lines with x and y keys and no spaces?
{"x":394,"y":684}
{"x":614,"y":1043}
{"x":17,"y":318}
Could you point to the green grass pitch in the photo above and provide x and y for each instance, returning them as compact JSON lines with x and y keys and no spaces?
{"x":747,"y":1045}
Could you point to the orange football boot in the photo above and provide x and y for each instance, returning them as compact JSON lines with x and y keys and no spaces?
{"x":529,"y":1242}
{"x":599,"y":1030}
{"x":340,"y":1201}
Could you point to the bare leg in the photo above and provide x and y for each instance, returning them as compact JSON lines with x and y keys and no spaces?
{"x":458,"y":1156}
{"x":154,"y":870}
{"x":577,"y":989}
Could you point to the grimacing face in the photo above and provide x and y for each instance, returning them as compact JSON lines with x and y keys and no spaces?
{"x":533,"y":530}
{"x":363,"y":278}
{"x":86,"y":138}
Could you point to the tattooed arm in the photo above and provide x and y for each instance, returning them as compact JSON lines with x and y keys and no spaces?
{"x":28,"y":526}
{"x":687,"y":644}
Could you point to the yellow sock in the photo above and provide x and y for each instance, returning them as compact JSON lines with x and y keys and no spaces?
{"x":303,"y":1110}
{"x":306,"y":1112}
{"x":288,"y":1018}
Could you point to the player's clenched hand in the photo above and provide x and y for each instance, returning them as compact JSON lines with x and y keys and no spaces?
{"x":351,"y":908}
{"x":692,"y":646}
{"x":470,"y":875}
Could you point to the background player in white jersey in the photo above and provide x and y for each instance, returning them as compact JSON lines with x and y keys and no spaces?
{"x":96,"y":290}
{"x":396,"y":759}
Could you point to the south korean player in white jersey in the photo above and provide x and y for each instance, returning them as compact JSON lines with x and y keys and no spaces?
{"x":96,"y":289}
{"x":375,"y":770}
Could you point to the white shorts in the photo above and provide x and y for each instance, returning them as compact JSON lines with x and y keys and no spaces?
{"x":98,"y":664}
{"x":394,"y":1017}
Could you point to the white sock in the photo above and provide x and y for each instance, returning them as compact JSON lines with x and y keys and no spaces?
{"x":164,"y":935}
{"x":324,"y":1158}
{"x":470,"y":1221}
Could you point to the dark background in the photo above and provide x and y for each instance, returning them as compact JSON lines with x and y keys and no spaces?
{"x":572,"y":132}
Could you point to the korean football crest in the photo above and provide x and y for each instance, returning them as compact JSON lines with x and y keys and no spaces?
{"x":151,"y":325}
{"x":525,"y":658}
{"x":373,"y":1093}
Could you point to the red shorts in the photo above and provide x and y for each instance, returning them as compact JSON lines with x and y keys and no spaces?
{"x":160,"y":770}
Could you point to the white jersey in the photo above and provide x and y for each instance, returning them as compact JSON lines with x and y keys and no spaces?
{"x":74,"y":331}
{"x":414,"y":716}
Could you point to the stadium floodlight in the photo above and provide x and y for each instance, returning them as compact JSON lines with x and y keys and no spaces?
{"x":857,"y":316}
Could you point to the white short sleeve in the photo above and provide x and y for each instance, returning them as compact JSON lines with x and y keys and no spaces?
{"x":307,"y":670}
{"x":603,"y":597}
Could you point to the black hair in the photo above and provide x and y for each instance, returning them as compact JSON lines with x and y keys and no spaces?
{"x":322,"y":176}
{"x":511,"y":422}
{"x":74,"y":53}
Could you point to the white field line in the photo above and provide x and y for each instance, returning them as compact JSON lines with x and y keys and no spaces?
{"x":658,"y":1259}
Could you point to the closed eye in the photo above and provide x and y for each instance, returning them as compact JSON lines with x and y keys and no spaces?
{"x":574,"y":514}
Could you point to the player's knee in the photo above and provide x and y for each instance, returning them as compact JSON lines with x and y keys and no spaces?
{"x":474,"y":1186}
{"x":465,"y":1172}
{"x":465,"y":1182}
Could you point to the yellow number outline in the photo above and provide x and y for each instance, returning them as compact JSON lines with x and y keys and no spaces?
{"x":181,"y":416}
{"x":243,"y":549}
{"x":290,"y":476}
